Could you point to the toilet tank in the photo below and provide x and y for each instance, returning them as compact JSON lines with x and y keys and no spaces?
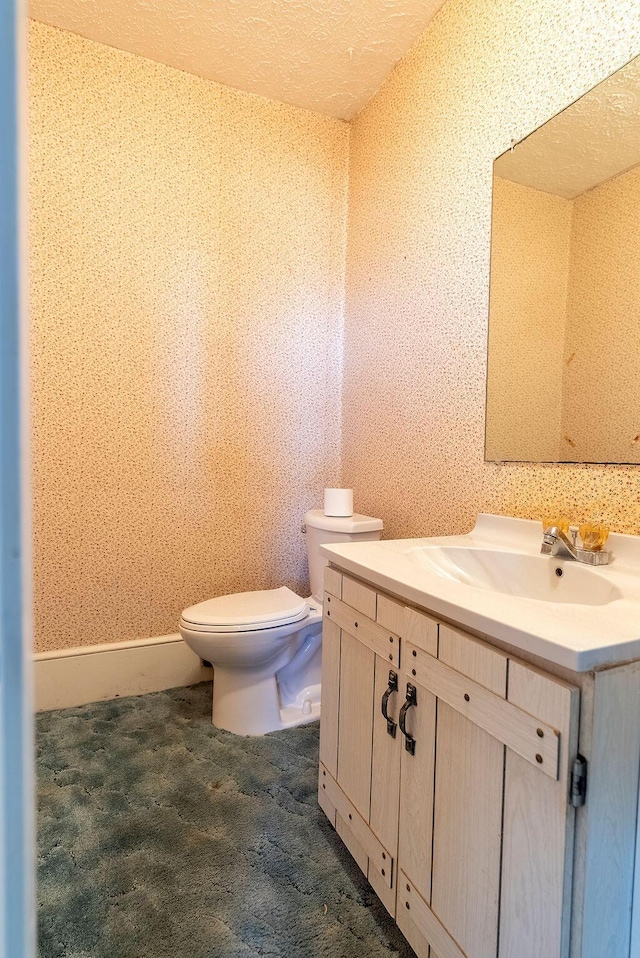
{"x":321,"y":530}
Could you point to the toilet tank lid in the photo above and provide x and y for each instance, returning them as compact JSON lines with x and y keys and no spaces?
{"x":347,"y":524}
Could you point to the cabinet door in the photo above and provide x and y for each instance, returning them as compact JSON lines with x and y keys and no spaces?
{"x":355,"y":722}
{"x":359,"y":748}
{"x":415,"y":841}
{"x":468,"y":806}
{"x":369,"y":759}
{"x":490,"y":877}
{"x":538,"y":826}
{"x":385,"y":763}
{"x":331,"y":640}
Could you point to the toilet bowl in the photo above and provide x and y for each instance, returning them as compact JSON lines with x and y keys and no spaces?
{"x":266,"y":647}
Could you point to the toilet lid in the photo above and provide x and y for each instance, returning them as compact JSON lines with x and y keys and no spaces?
{"x":247,"y":611}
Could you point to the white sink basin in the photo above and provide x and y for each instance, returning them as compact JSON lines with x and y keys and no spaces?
{"x":512,"y":573}
{"x":494,"y":581}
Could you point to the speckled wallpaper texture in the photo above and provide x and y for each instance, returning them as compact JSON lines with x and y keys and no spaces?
{"x":187,"y":277}
{"x":484,"y":73}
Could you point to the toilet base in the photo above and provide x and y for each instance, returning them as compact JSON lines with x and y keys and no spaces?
{"x":247,"y":702}
{"x":294,"y":714}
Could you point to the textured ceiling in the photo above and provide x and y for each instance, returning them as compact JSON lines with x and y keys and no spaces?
{"x":597,"y":137}
{"x":324,"y":55}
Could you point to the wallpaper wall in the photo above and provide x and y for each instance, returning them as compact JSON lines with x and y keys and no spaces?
{"x":484,"y":73}
{"x":187,"y":258}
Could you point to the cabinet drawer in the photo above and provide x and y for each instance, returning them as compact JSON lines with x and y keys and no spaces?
{"x":359,"y":597}
{"x":333,"y":582}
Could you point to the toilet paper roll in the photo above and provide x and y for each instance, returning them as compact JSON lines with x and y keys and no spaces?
{"x":338,"y":502}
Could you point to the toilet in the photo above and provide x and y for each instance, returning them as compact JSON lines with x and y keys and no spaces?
{"x":266,"y":647}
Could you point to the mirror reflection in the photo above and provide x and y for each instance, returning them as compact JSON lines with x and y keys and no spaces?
{"x":564,"y":325}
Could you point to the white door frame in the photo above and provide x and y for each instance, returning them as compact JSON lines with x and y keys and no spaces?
{"x":17,"y":938}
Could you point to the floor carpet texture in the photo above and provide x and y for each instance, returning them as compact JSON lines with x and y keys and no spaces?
{"x":159,"y":835}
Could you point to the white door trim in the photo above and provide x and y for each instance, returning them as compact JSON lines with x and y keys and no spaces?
{"x":17,"y":913}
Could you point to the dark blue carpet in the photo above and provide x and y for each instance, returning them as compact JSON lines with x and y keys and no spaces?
{"x":159,"y":835}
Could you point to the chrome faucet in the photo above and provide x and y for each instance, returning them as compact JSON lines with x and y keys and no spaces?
{"x":555,"y":543}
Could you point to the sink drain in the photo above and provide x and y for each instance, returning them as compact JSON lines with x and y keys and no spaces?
{"x":559,"y":572}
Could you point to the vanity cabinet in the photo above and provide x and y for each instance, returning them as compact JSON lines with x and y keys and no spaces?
{"x":445,"y":766}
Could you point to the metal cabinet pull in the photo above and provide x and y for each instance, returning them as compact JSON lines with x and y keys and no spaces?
{"x":391,"y":688}
{"x":411,"y":699}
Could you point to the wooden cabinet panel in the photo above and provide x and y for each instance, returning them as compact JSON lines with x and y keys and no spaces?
{"x":357,"y":851}
{"x":512,"y":726}
{"x":414,"y":935}
{"x":386,"y":895}
{"x":380,"y":858}
{"x":379,"y":640}
{"x":486,"y":666}
{"x":538,"y":827}
{"x":612,"y":815}
{"x":359,"y":597}
{"x":367,"y":758}
{"x":421,"y":630}
{"x":467,"y":832}
{"x":385,"y":775}
{"x":391,"y":615}
{"x":330,"y":696}
{"x":326,"y":804}
{"x":355,"y":722}
{"x":416,"y":793}
{"x":468,"y":805}
{"x":415,"y":916}
{"x":333,"y":582}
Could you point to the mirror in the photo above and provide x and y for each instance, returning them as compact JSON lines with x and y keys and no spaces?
{"x":563,"y":381}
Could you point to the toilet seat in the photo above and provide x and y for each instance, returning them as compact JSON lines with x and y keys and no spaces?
{"x":246,"y":611}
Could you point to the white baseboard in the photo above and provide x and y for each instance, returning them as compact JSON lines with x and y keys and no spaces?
{"x":94,"y":673}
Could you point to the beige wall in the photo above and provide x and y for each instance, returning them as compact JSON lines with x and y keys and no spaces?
{"x":530,"y":246}
{"x":485,"y":72}
{"x":601,"y":410}
{"x":187,"y":256}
